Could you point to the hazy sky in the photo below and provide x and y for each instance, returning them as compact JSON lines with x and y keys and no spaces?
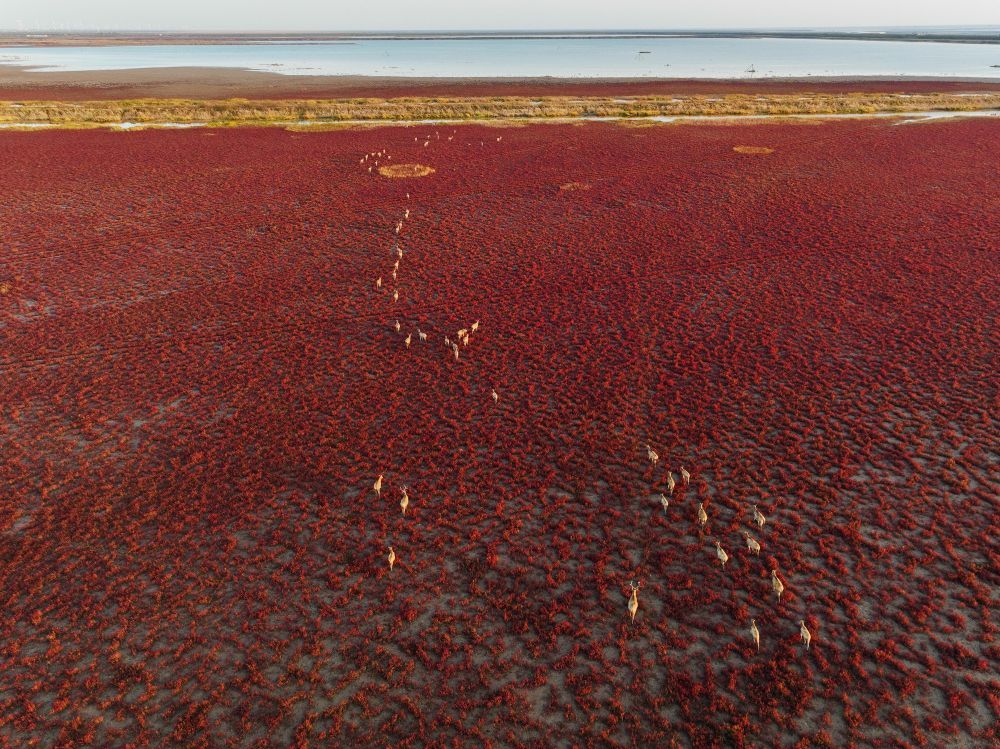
{"x":348,"y":15}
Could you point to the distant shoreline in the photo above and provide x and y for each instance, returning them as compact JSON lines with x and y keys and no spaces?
{"x":69,"y":39}
{"x":20,"y":83}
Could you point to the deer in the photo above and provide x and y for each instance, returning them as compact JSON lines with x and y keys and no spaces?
{"x":378,"y":485}
{"x":405,"y":501}
{"x":633,"y":601}
{"x":752,"y":544}
{"x":671,"y":483}
{"x":392,"y":558}
{"x":804,"y":633}
{"x":776,"y":585}
{"x":758,"y":517}
{"x":721,"y":554}
{"x":702,"y":515}
{"x":755,"y":633}
{"x":664,"y":502}
{"x":685,"y":476}
{"x":651,"y":454}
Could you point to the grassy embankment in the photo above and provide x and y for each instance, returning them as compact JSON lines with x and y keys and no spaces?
{"x":276,"y":112}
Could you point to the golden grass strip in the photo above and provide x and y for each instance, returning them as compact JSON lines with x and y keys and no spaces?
{"x":309,"y":111}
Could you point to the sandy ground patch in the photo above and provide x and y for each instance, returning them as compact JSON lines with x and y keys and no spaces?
{"x":398,"y":171}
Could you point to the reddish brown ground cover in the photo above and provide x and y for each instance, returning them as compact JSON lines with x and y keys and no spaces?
{"x":200,"y":384}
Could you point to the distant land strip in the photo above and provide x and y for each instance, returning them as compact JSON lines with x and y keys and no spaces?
{"x":232,"y":112}
{"x":79,"y":39}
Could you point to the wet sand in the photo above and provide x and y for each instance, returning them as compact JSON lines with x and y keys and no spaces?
{"x":18,"y":83}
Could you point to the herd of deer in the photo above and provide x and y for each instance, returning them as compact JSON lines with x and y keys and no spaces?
{"x":463,"y":336}
{"x":753,"y":546}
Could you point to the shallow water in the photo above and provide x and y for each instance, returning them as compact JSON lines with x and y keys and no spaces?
{"x":661,"y":57}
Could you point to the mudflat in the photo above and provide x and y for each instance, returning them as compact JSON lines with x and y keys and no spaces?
{"x":18,"y":83}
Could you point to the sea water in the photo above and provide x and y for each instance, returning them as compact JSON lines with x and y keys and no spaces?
{"x":658,"y":57}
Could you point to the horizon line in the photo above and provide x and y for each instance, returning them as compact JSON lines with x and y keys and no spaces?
{"x":579,"y":30}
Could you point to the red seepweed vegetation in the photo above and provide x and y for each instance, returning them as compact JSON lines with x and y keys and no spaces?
{"x":201,"y":383}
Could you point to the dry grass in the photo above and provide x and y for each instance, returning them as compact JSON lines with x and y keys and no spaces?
{"x":762,"y":150}
{"x":398,"y":171}
{"x":569,"y":186}
{"x":499,"y":110}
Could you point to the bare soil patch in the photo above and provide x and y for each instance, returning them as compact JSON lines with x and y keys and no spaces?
{"x":759,"y":150}
{"x":398,"y":171}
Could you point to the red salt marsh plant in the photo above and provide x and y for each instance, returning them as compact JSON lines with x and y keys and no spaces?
{"x":201,"y":383}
